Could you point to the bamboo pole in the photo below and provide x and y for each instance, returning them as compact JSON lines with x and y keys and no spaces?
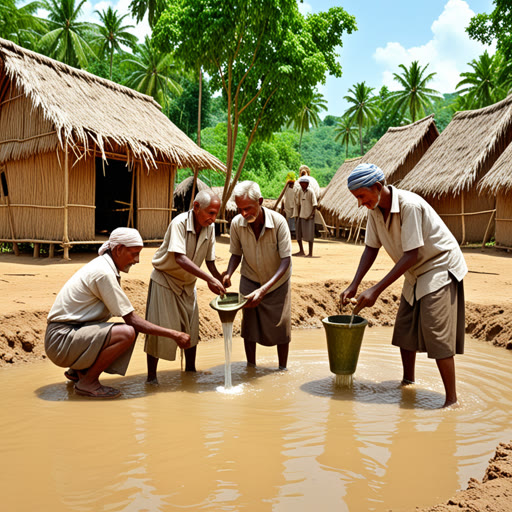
{"x":281,"y":195}
{"x":194,"y":184}
{"x":37,"y":250}
{"x":488,"y":228}
{"x":463,"y":218}
{"x":11,"y":220}
{"x":65,"y":239}
{"x":51,"y":251}
{"x":130,"y":215}
{"x":171,"y":191}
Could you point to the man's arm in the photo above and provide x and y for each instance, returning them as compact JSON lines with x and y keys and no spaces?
{"x":368,"y":297}
{"x":234,"y":261}
{"x":368,"y":257}
{"x":254,"y":298}
{"x":213,"y":281}
{"x":142,"y":325}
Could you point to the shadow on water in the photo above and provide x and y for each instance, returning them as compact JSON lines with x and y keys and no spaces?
{"x":170,"y":381}
{"x":379,"y":393}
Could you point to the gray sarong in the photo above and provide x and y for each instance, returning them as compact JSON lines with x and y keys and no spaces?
{"x":269,"y":323}
{"x":177,"y":312}
{"x":305,"y":229}
{"x":77,"y":346}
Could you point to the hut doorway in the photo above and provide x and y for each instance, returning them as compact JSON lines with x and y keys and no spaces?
{"x":114,"y":185}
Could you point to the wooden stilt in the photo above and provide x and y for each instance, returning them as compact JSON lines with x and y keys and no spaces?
{"x":37,"y":250}
{"x":488,"y":228}
{"x":463,"y":218}
{"x":65,"y":238}
{"x":51,"y":251}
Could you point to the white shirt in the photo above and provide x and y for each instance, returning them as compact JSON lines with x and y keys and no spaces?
{"x":413,"y":224}
{"x":92,"y":294}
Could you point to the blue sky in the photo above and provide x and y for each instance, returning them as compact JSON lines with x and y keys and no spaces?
{"x":389,"y":33}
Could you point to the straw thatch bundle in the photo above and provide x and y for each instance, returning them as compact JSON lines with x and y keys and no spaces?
{"x":396,"y":153}
{"x":86,"y":111}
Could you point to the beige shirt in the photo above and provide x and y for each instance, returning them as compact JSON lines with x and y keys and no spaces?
{"x":306,"y":201}
{"x":181,"y":238}
{"x":261,"y":258}
{"x":93,"y":294}
{"x":413,"y":224}
{"x":289,"y":201}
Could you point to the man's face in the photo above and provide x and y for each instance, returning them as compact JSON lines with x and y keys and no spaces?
{"x":368,"y":197}
{"x":291,"y":184}
{"x":304,"y":185}
{"x":207,"y":215}
{"x":249,"y":208}
{"x":125,"y":257}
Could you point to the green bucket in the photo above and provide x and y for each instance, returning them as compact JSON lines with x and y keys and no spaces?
{"x":344,"y":342}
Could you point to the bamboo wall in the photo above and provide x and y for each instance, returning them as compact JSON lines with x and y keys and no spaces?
{"x":450,"y":208}
{"x":154,"y":201}
{"x":82,"y":186}
{"x":503,"y":234}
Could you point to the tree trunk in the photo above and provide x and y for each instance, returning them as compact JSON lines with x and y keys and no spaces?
{"x":199,"y":107}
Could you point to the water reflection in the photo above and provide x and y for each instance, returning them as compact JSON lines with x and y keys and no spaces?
{"x":289,"y":441}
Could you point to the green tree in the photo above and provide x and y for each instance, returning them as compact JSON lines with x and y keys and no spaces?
{"x":495,"y":26}
{"x":265,"y":57}
{"x":21,"y":25}
{"x":308,"y":115}
{"x":414,"y":97}
{"x":364,"y":110}
{"x":487,"y":83}
{"x":153,"y":8}
{"x":345,"y":133}
{"x":113,"y":34}
{"x":154,"y":73}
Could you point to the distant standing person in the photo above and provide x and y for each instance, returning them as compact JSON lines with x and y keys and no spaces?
{"x":172,"y":297}
{"x":289,"y":205}
{"x":78,"y":335}
{"x":305,"y":207}
{"x":260,"y":239}
{"x":431,"y":315}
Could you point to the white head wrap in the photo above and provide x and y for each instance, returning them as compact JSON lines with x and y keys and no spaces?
{"x":128,"y":237}
{"x":304,"y":179}
{"x":364,"y":175}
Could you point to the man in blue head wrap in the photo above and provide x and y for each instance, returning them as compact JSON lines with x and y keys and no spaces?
{"x":431,"y":316}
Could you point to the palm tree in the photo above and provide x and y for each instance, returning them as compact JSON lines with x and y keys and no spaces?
{"x":487,"y":83}
{"x":346,"y":132}
{"x":112,"y":34}
{"x":415,"y":96}
{"x":67,"y":39}
{"x":364,"y":107}
{"x":153,"y":8}
{"x":21,"y":25}
{"x":154,"y":73}
{"x":308,"y":115}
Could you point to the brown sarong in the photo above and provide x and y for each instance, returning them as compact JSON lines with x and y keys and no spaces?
{"x":177,"y":312}
{"x":434,"y":324}
{"x":269,"y":323}
{"x":77,"y":346}
{"x":305,"y":229}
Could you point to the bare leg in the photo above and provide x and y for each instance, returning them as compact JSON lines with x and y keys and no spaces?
{"x":250,"y":352}
{"x":447,"y":371}
{"x":121,"y":339}
{"x":301,"y":249}
{"x":310,"y":255}
{"x":190,"y":359}
{"x":152,"y":365}
{"x":282,"y":354}
{"x":408,"y":364}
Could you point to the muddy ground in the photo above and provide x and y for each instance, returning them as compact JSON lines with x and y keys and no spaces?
{"x":28,"y":287}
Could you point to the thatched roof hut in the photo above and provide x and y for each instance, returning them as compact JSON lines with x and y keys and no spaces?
{"x":80,"y":155}
{"x":183,"y":193}
{"x":498,"y":183}
{"x":396,"y":153}
{"x":448,"y":174}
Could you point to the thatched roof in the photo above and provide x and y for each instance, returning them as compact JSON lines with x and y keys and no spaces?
{"x":186,"y":185}
{"x":499,"y":178}
{"x":464,"y":152}
{"x":396,"y":153}
{"x":86,"y":110}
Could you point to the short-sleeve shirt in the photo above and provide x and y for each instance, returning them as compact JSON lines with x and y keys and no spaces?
{"x":261,"y":258}
{"x":413,"y":224}
{"x":181,"y":238}
{"x":289,"y":201}
{"x":92,"y":294}
{"x":307,"y":200}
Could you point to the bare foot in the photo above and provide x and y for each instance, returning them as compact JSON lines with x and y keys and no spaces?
{"x":452,"y":404}
{"x":300,"y":253}
{"x":200,"y":372}
{"x":309,"y":256}
{"x":153,"y":381}
{"x":406,"y":382}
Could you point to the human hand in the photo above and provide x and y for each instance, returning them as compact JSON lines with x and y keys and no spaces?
{"x":216,"y":286}
{"x":182,"y":339}
{"x":254,"y":298}
{"x":366,"y":299}
{"x":347,"y":295}
{"x":226,"y":279}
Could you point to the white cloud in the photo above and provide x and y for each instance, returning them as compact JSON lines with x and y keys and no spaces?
{"x":305,"y":8}
{"x":446,"y":54}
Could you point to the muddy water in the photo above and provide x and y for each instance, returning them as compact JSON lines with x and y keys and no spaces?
{"x":287,"y":441}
